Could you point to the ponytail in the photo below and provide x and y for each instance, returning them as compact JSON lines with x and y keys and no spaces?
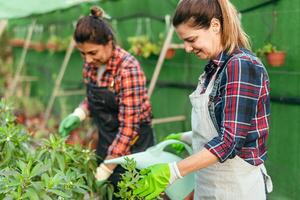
{"x":233,"y":35}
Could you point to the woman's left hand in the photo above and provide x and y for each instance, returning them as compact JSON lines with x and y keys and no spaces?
{"x":104,"y":171}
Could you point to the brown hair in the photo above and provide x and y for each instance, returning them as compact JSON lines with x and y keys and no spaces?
{"x":199,"y":13}
{"x":93,"y":28}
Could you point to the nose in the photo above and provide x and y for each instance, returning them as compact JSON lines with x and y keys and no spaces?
{"x":88,"y":59}
{"x":188,"y":47}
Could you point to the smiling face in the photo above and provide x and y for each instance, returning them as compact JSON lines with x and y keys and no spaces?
{"x":95,"y":54}
{"x":205,"y":43}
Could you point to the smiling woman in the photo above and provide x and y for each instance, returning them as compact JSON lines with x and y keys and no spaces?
{"x":94,"y":54}
{"x":230,"y":110}
{"x":116,"y":98}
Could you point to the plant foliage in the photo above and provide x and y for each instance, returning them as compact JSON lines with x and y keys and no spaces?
{"x":47,"y":170}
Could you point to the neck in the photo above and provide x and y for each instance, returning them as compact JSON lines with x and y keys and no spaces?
{"x":218,"y":50}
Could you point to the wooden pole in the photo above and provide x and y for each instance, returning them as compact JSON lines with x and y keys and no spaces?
{"x":58,"y":81}
{"x":16,"y":79}
{"x":168,"y":119}
{"x":160,"y":60}
{"x":3,"y":24}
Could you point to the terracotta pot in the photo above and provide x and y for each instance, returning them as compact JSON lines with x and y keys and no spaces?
{"x":170,"y":53}
{"x":51,"y":46}
{"x":20,"y":118}
{"x":276,"y":59}
{"x":17,"y":42}
{"x":74,"y":138}
{"x":38,"y":47}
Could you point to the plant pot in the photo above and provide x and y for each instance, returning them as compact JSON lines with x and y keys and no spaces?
{"x":74,"y":138}
{"x":170,"y":53}
{"x":52,"y":46}
{"x":276,"y":59}
{"x":20,"y":118}
{"x":38,"y":46}
{"x":17,"y":42}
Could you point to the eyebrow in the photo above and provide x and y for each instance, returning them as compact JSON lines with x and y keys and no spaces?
{"x":189,"y":38}
{"x":91,"y":51}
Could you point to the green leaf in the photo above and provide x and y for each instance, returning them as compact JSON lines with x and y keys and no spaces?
{"x":61,"y":161}
{"x":31,"y":193}
{"x":80,"y":190}
{"x":37,"y":185}
{"x":59,"y":193}
{"x":45,"y":178}
{"x":21,"y":165}
{"x":44,"y":196}
{"x":39,"y":169}
{"x":41,"y":153}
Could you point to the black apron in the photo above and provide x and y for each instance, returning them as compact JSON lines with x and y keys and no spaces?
{"x":103,"y":108}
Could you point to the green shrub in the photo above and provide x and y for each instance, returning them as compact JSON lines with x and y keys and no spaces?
{"x":50,"y":169}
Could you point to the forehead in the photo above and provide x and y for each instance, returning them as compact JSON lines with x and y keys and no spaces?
{"x":185,"y":31}
{"x":86,"y":46}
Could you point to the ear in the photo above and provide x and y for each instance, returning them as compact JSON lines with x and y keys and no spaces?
{"x":109,"y":43}
{"x":215,"y":25}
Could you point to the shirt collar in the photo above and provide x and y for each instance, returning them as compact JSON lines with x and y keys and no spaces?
{"x":220,"y":59}
{"x":216,"y":62}
{"x":116,"y":57}
{"x":224,"y":55}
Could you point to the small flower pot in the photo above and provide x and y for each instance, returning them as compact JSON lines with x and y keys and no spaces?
{"x":52,"y":46}
{"x":276,"y":59}
{"x":38,"y":47}
{"x":17,"y":42}
{"x":170,"y":53}
{"x":74,"y":138}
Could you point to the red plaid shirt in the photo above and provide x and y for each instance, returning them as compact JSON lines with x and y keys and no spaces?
{"x":124,"y":73}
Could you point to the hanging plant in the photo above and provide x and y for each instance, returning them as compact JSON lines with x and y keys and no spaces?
{"x":275,"y":57}
{"x":143,"y":46}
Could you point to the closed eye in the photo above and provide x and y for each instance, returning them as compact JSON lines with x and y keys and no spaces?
{"x":190,"y":39}
{"x":92,"y":53}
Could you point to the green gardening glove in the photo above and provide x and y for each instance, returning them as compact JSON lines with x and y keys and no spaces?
{"x":68,"y":124}
{"x":178,"y":147}
{"x":156,"y":180}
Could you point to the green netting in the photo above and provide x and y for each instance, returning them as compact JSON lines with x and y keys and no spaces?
{"x":20,"y":8}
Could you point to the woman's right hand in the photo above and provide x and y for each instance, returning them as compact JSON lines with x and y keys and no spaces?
{"x":71,"y":122}
{"x":176,"y":136}
{"x":68,"y":124}
{"x":183,"y":137}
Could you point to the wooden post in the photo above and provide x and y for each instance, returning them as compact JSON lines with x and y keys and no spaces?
{"x":16,"y":79}
{"x":3,"y":24}
{"x":160,"y":61}
{"x":58,"y":81}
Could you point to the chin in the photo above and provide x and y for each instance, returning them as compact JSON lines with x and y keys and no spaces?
{"x":202,"y":56}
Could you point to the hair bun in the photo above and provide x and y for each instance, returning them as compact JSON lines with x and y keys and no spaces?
{"x":97,"y":11}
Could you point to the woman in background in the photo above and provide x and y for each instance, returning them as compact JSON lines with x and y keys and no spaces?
{"x":116,"y":98}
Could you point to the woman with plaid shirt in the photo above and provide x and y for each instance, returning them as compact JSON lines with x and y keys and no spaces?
{"x":116,"y":98}
{"x":231,"y":109}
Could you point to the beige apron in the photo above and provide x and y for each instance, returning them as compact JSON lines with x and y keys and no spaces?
{"x":235,"y":179}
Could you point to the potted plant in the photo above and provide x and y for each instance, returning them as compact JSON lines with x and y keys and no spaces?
{"x":52,"y":43}
{"x":16,"y":42}
{"x":275,"y":57}
{"x":143,"y":46}
{"x":170,"y":53}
